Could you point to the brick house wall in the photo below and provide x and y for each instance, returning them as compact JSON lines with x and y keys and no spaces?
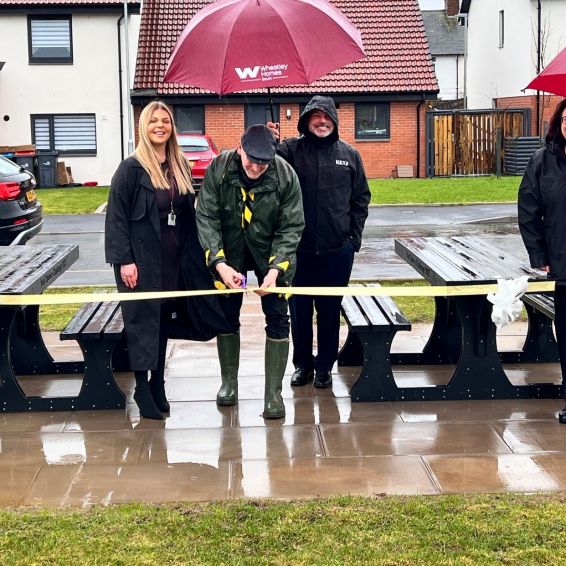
{"x":548,"y":104}
{"x":224,"y":123}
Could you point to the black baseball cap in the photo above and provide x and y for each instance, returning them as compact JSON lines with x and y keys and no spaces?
{"x":259,"y":144}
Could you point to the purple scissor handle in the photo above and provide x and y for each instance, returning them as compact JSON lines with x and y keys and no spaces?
{"x":243,"y":283}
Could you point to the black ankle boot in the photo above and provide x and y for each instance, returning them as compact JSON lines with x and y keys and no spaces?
{"x":157,"y":388}
{"x":144,"y":399}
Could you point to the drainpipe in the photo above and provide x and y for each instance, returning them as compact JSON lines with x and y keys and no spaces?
{"x":419,"y":136}
{"x":127,"y":49}
{"x":539,"y":62}
{"x":118,"y":23}
{"x":457,"y":77}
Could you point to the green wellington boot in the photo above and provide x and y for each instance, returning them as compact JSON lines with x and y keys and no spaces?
{"x":229,"y":355}
{"x":276,"y":353}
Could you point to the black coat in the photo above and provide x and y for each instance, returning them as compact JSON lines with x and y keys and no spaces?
{"x":133,"y":235}
{"x":542,"y":209}
{"x":333,"y":184}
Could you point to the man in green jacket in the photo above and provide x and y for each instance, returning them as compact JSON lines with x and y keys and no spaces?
{"x":250,"y":217}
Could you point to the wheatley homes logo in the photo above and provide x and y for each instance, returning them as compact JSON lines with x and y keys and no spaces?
{"x":263,"y":73}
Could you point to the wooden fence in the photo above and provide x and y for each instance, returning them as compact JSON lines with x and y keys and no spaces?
{"x":465,"y":142}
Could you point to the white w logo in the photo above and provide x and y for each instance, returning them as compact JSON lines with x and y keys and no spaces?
{"x":247,"y":72}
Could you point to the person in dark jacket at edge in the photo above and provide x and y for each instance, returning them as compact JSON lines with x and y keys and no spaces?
{"x":335,"y":199}
{"x":151,"y":241}
{"x":542,"y":220}
{"x":250,"y":217}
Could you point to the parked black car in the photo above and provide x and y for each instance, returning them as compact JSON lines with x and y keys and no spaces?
{"x":20,"y":212}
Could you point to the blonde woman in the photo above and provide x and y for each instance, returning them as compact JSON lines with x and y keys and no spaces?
{"x":151,"y":241}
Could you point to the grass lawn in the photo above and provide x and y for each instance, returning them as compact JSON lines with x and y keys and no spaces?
{"x":453,"y":190}
{"x":441,"y":530}
{"x":79,"y":200}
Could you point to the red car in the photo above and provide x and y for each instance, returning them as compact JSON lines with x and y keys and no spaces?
{"x":200,"y":150}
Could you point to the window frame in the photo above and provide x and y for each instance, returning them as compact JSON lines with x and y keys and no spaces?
{"x":51,"y":119}
{"x":179,"y":107}
{"x":372,"y":137}
{"x":247,"y":108}
{"x":32,"y":60}
{"x":501,"y":28}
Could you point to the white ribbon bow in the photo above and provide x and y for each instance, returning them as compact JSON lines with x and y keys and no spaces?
{"x":506,"y":301}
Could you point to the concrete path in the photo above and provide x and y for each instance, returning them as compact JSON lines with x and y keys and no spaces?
{"x":325,"y":446}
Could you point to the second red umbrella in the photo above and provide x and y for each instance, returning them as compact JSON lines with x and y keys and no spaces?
{"x":553,"y":77}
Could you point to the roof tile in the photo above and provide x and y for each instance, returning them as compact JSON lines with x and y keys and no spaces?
{"x":47,"y":3}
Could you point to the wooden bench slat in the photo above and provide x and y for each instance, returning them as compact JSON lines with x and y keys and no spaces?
{"x":352,"y":312}
{"x":80,"y":319}
{"x":381,"y":313}
{"x":394,"y":313}
{"x":100,"y":318}
{"x":373,"y":313}
{"x":540,"y":302}
{"x":116,"y":324}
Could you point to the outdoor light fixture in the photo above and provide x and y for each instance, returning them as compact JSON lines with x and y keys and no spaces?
{"x":288,"y":113}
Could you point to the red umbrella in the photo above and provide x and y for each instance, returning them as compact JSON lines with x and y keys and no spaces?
{"x":553,"y":77}
{"x":236,"y":45}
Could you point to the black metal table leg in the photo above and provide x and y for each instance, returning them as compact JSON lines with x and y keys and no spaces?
{"x":479,"y":373}
{"x":352,"y":353}
{"x":540,"y":344}
{"x":99,"y":389}
{"x":443,"y":345}
{"x":12,"y":397}
{"x":28,"y":351}
{"x":376,"y":381}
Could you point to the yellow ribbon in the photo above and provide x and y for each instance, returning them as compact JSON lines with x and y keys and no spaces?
{"x":377,"y":291}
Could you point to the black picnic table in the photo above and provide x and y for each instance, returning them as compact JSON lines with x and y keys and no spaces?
{"x":463,"y":332}
{"x":26,"y":270}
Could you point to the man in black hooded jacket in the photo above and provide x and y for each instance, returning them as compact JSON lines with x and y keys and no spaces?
{"x":335,"y":200}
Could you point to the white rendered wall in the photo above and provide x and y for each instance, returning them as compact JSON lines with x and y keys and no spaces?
{"x":89,"y":85}
{"x":502,"y":72}
{"x":446,"y":68}
{"x":432,"y":4}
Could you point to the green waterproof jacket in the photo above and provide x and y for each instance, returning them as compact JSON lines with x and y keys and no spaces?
{"x":276,"y":225}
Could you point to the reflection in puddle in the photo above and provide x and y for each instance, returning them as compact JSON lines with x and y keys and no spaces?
{"x":64,"y":449}
{"x":528,"y":476}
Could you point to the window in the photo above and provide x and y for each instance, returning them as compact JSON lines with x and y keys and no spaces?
{"x":189,"y":119}
{"x":501,"y":28}
{"x":71,"y":134}
{"x":372,"y":121}
{"x":50,"y":39}
{"x":259,"y":114}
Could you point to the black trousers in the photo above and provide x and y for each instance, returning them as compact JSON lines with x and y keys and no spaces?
{"x":329,"y":270}
{"x":274,"y":308}
{"x":560,"y":325}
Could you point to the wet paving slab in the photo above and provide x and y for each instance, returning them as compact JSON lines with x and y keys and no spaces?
{"x":325,"y":445}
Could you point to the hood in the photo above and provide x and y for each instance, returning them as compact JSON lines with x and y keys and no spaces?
{"x":324,"y":103}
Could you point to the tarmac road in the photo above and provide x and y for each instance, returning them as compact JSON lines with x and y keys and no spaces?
{"x":376,"y":260}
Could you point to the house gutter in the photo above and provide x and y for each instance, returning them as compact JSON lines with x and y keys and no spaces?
{"x":419,"y":136}
{"x":121,"y":97}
